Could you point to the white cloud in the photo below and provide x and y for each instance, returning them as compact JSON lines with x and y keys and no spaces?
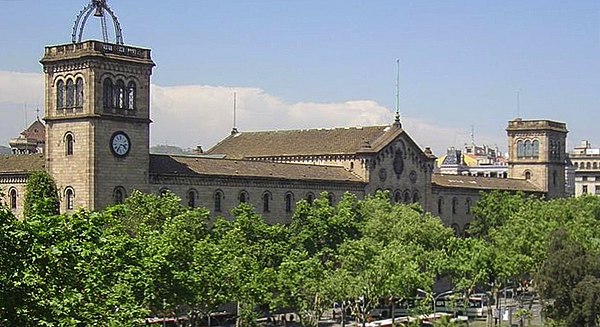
{"x":193,"y":115}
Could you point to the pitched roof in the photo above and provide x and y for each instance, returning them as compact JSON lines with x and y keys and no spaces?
{"x":36,"y":131}
{"x":23,"y":163}
{"x":202,"y":166}
{"x":302,"y":142}
{"x":484,"y":183}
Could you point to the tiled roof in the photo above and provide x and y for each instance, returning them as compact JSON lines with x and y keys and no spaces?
{"x":302,"y":142}
{"x":23,"y":163}
{"x":484,"y":183}
{"x":202,"y":166}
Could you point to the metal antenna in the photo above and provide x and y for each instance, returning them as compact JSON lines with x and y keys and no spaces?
{"x":234,"y":130}
{"x":473,"y":134}
{"x":397,"y":117}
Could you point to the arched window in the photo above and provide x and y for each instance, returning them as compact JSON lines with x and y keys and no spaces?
{"x":79,"y":92}
{"x":69,"y":198}
{"x":407,"y":196}
{"x":528,"y":149}
{"x":440,"y":205}
{"x":331,"y":198}
{"x":266,"y":197}
{"x":588,"y":166}
{"x":466,"y":230}
{"x":595,"y":165}
{"x":554,"y":178}
{"x":351,"y":165}
{"x":69,"y":140}
{"x":416,"y":197}
{"x":60,"y":94}
{"x":536,"y":148}
{"x":310,"y":197}
{"x":191,"y":198}
{"x":131,"y":91}
{"x":520,"y":149}
{"x":289,"y":200}
{"x":119,"y":195}
{"x":120,"y":94}
{"x":454,"y":205}
{"x":243,"y":197}
{"x":456,"y":229}
{"x":70,"y":93}
{"x":527,"y":175}
{"x":468,"y":206}
{"x":218,"y":198}
{"x":13,"y":199}
{"x":576,"y":165}
{"x":108,"y":93}
{"x":397,"y":197}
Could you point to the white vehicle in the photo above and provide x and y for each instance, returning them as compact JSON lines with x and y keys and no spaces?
{"x":475,"y":307}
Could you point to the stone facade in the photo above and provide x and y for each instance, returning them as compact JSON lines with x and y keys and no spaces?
{"x":94,"y":90}
{"x":97,"y":150}
{"x":537,"y":152}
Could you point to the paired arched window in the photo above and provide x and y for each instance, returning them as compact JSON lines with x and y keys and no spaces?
{"x":69,"y":94}
{"x":119,"y":195}
{"x":218,"y":197}
{"x":69,"y":198}
{"x":191,"y":198}
{"x":13,"y":198}
{"x":243,"y":197}
{"x":69,"y":142}
{"x":118,"y":95}
{"x":528,"y":148}
{"x":289,"y":202}
{"x":266,"y":197}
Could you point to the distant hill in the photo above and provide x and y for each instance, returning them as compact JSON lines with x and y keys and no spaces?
{"x":5,"y":150}
{"x":168,"y":149}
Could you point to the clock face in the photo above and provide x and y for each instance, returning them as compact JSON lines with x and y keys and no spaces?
{"x":120,"y":144}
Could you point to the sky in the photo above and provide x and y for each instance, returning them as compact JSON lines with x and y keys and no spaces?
{"x":465,"y":66}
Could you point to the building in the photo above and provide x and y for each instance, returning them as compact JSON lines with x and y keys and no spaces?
{"x":586,"y":164}
{"x":31,"y":140}
{"x":98,"y":116}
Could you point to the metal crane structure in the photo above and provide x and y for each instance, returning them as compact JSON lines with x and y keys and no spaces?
{"x":100,"y":10}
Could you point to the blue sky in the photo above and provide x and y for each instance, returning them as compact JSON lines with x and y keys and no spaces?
{"x":300,"y":64}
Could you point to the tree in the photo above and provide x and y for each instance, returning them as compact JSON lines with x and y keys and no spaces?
{"x":569,"y":282}
{"x":41,"y":195}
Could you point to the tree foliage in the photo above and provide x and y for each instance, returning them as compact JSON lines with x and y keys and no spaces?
{"x":41,"y":195}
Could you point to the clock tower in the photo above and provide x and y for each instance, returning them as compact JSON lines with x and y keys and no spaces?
{"x":97,"y":115}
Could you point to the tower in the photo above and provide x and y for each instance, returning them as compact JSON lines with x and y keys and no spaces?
{"x":97,"y":99}
{"x":537,"y":153}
